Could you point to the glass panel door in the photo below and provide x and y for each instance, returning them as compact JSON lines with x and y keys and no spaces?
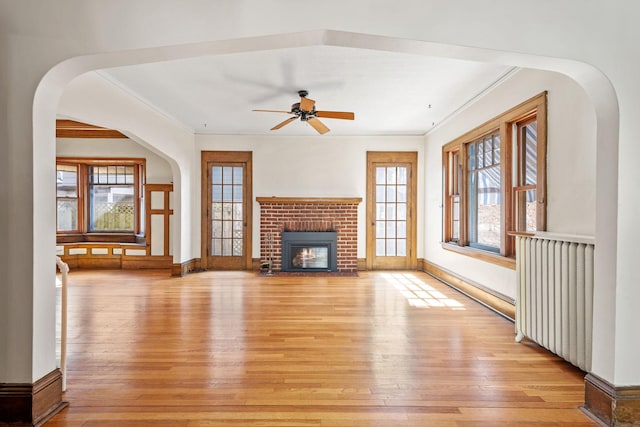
{"x":390,"y":204}
{"x":227,"y":229}
{"x":391,"y":211}
{"x":228,"y":200}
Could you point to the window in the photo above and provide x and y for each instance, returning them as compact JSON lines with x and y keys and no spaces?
{"x":494,"y":183}
{"x":526,"y":209}
{"x":483,"y":201}
{"x":99,"y":196}
{"x":111,"y":198}
{"x":454,"y":179}
{"x":67,"y":197}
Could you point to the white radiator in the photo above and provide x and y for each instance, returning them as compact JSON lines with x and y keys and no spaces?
{"x":554,"y":297}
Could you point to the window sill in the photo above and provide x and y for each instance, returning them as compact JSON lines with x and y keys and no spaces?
{"x":100,"y":237}
{"x":481,"y":255}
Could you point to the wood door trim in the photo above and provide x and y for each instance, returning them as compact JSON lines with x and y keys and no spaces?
{"x":166,"y":213}
{"x":245,"y":157}
{"x":390,"y":157}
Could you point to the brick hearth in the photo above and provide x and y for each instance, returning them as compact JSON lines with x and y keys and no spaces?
{"x":278,"y":214}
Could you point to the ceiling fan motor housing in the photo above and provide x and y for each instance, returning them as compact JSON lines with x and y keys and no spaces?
{"x":302,"y":114}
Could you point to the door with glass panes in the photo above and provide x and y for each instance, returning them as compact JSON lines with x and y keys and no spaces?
{"x":226,"y":204}
{"x":391,"y":204}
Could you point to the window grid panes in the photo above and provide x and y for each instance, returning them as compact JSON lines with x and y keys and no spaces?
{"x":391,"y":211}
{"x":112,"y":198}
{"x":67,"y":197}
{"x":526,"y":177}
{"x":454,"y":189}
{"x":529,"y":134}
{"x":484,"y":193}
{"x":98,"y":196}
{"x":501,"y":188}
{"x":455,"y":218}
{"x":227,"y":210}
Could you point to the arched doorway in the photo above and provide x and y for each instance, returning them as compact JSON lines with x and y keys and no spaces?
{"x":51,"y":88}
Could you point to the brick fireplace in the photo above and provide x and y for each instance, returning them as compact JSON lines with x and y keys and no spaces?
{"x":309,"y":214}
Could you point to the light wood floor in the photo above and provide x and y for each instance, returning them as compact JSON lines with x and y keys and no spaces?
{"x":235,"y":349}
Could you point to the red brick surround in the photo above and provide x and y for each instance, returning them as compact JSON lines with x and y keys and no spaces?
{"x":310,"y":214}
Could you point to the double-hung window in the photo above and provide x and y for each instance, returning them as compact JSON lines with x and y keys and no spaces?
{"x":527,"y":215}
{"x":99,"y":196}
{"x":67,"y":198}
{"x":112,"y":198}
{"x":494,"y":183}
{"x":453,"y":166}
{"x":484,"y":198}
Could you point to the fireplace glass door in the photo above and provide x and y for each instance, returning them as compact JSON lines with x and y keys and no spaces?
{"x":309,"y":251}
{"x":310,"y":257}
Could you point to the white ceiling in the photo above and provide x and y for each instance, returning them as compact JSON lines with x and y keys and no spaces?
{"x":390,"y":93}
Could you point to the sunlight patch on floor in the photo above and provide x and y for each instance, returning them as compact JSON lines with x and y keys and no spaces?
{"x":419,"y":293}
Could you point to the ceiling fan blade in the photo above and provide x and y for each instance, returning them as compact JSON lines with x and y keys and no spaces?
{"x":286,"y":122}
{"x":345,"y":115}
{"x":306,"y":104}
{"x":273,"y":111}
{"x":318,"y":125}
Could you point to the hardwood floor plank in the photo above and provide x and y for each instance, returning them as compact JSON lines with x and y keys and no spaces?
{"x":237,"y":349}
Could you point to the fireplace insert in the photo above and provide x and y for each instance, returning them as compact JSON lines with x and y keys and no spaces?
{"x":309,"y":251}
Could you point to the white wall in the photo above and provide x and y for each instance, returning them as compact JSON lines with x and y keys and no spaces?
{"x":158,"y":170}
{"x":571,"y":159}
{"x":314,"y":166}
{"x":91,"y":99}
{"x":43,"y":45}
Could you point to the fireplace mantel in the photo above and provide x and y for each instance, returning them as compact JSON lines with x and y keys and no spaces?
{"x":310,"y":200}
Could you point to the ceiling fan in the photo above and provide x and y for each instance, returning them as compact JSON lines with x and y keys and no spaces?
{"x":306,"y":111}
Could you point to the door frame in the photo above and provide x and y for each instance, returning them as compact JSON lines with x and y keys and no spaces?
{"x":166,"y":212}
{"x":245,"y":157}
{"x":411,"y":157}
